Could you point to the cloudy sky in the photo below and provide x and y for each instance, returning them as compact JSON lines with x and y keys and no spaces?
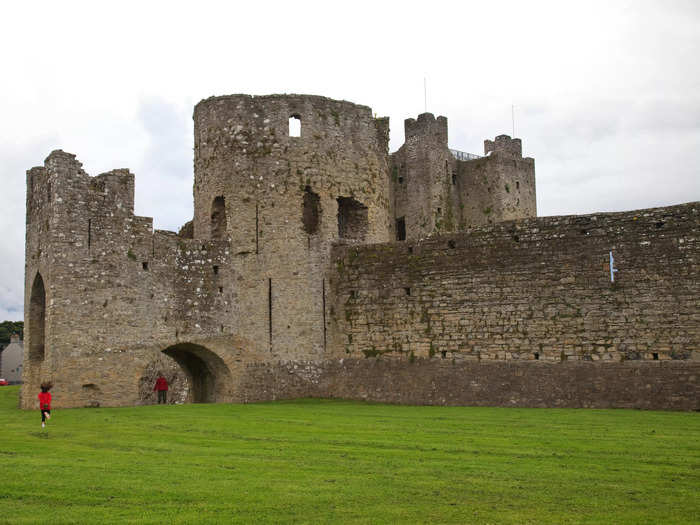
{"x":606,"y":94}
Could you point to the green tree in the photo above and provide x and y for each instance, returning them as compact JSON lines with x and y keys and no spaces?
{"x":7,"y":328}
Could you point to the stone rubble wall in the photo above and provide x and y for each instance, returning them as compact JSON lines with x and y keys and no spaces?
{"x":651,"y":385}
{"x":276,"y":271}
{"x":526,"y":290}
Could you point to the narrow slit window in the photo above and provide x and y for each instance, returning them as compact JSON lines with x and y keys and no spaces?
{"x":216,"y":270}
{"x":401,"y":229}
{"x":295,"y":126}
{"x":218,"y":219}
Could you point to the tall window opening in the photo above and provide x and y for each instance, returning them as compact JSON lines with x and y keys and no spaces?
{"x":295,"y":126}
{"x":311,"y":211}
{"x":352,"y":219}
{"x":37,"y":319}
{"x":401,"y":229}
{"x":218,"y":219}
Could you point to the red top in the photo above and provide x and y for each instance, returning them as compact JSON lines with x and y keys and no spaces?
{"x":161,"y":384}
{"x":44,"y":400}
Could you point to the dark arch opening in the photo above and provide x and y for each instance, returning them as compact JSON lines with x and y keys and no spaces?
{"x":37,"y":320}
{"x":218,"y":219}
{"x":206,"y":372}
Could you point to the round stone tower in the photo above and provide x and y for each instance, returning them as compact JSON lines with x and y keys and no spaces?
{"x":282,"y":177}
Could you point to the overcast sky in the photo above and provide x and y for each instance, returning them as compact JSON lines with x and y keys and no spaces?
{"x":606,"y":94}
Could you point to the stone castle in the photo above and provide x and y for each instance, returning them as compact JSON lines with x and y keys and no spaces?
{"x":319,"y":264}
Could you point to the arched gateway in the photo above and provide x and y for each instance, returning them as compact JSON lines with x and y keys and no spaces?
{"x":207,"y":374}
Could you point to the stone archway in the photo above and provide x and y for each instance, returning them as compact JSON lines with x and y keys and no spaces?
{"x":207,"y":374}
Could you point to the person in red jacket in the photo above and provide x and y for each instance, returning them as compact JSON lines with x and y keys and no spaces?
{"x":45,"y":402}
{"x":162,"y":388}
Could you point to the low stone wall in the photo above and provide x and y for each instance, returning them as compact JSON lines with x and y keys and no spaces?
{"x":657,"y":385}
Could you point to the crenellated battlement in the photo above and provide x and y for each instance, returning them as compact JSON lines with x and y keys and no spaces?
{"x":504,"y":145}
{"x":426,"y":127}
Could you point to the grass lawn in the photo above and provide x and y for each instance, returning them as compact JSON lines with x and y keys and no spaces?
{"x":318,"y":461}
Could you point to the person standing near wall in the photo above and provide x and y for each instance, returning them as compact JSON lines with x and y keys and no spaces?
{"x":161,"y":387}
{"x":45,"y":402}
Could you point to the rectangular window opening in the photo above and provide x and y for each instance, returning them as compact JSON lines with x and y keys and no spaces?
{"x":144,"y":265}
{"x":655,"y":356}
{"x":407,"y":290}
{"x":295,"y":126}
{"x":216,"y":270}
{"x":536,"y":355}
{"x":352,"y":219}
{"x":311,"y":211}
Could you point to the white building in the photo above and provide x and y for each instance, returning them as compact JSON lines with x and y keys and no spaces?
{"x":11,"y":360}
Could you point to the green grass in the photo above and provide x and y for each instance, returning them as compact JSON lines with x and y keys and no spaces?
{"x":314,"y":461}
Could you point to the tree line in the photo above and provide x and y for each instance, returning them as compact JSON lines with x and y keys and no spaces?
{"x":7,"y":328}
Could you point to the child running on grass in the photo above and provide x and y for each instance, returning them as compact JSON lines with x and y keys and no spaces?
{"x":45,"y":402}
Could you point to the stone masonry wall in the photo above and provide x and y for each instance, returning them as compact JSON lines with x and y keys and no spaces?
{"x":113,"y":301}
{"x":652,"y":385}
{"x":271,"y":183}
{"x":116,"y":293}
{"x":537,"y":289}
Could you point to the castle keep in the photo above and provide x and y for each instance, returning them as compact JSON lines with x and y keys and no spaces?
{"x":319,"y":264}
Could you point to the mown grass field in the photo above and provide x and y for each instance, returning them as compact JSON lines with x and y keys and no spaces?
{"x":315,"y":461}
